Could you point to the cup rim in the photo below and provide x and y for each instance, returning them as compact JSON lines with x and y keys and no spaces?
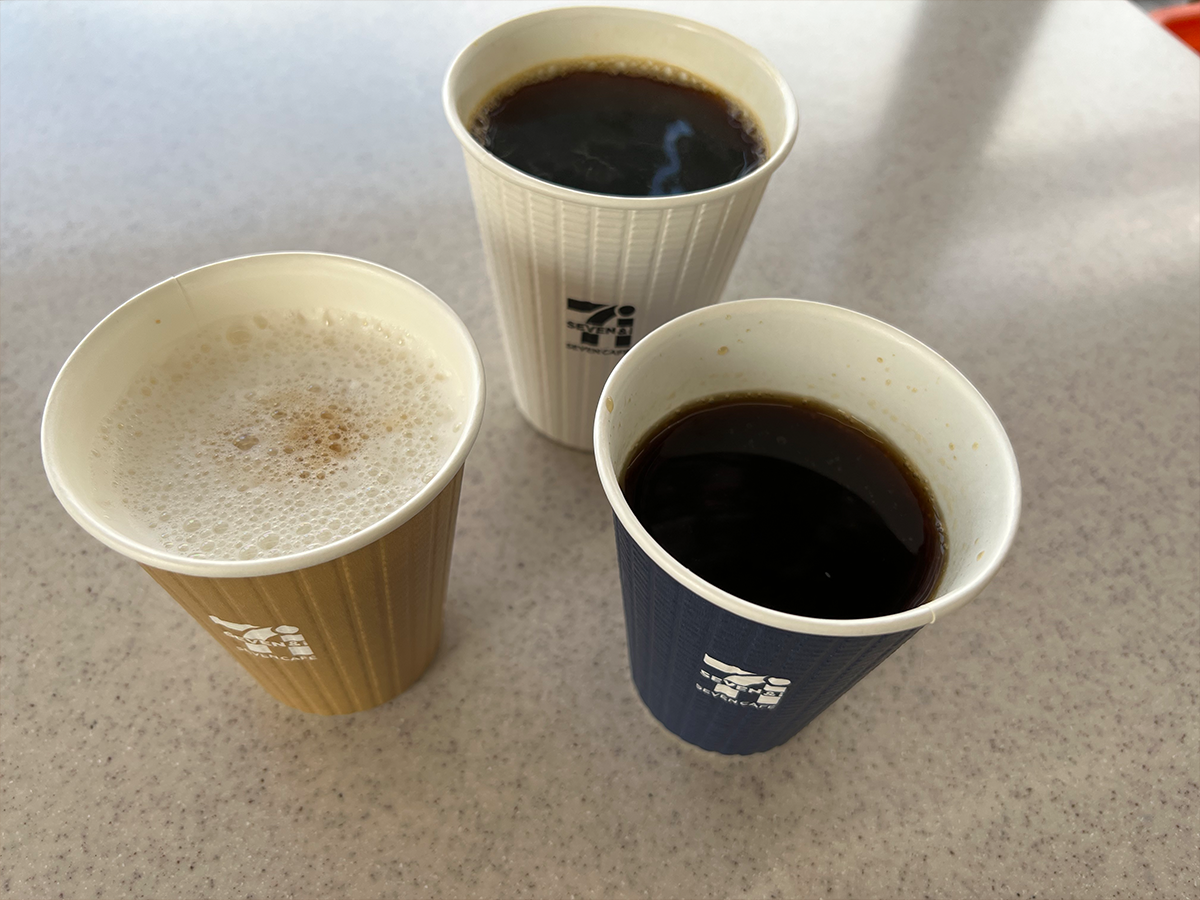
{"x":917,"y":617}
{"x":158,"y":558}
{"x":616,"y":201}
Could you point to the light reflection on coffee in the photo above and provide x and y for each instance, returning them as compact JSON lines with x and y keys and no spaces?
{"x":620,"y":126}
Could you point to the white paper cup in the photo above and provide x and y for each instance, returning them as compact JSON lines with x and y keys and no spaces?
{"x":558,"y":257}
{"x":335,"y":629}
{"x":686,"y":635}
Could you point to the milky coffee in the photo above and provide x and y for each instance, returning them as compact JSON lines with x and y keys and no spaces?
{"x":275,"y":432}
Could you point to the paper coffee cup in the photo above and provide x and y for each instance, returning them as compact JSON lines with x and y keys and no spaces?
{"x":558,"y":257}
{"x":734,"y":677}
{"x":335,"y":629}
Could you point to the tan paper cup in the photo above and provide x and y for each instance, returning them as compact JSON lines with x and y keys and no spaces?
{"x":336,"y":629}
{"x":580,"y":277}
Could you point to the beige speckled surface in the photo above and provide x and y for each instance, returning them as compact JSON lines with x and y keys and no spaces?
{"x":1017,"y":185}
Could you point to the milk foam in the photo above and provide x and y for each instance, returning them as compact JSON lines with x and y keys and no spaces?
{"x":279,"y":431}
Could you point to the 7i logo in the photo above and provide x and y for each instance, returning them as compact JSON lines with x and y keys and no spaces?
{"x":282,"y":642}
{"x":740,"y":686}
{"x":607,"y":330}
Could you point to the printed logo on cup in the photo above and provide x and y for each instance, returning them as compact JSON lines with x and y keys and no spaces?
{"x":282,"y":642}
{"x":607,"y":330}
{"x":734,"y":685}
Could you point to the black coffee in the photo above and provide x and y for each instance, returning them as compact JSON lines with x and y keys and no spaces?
{"x":788,"y":504}
{"x":633,"y":132}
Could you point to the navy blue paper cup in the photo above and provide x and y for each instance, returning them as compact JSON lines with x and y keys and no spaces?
{"x":728,"y":675}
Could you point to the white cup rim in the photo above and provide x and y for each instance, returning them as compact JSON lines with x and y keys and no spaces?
{"x":916,"y":617}
{"x":614,"y":201}
{"x":80,"y":510}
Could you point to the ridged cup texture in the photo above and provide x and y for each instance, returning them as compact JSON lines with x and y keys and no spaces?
{"x":341,"y":636}
{"x":576,"y":284}
{"x":723,"y":682}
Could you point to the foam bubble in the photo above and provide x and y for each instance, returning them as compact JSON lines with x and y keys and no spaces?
{"x":299,"y":427}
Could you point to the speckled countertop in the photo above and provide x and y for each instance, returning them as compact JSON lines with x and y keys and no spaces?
{"x":1018,"y":185}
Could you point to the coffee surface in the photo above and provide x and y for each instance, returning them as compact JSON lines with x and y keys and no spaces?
{"x":278,"y":431}
{"x":625,"y":127}
{"x":789,"y":504}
